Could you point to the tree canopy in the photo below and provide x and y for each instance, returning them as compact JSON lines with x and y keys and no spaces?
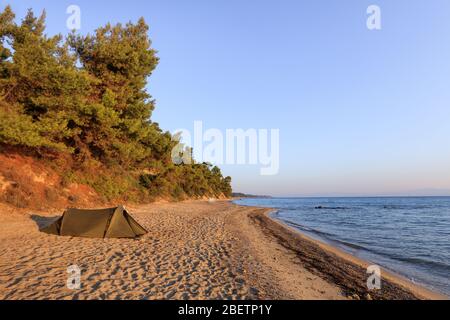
{"x":85,"y":97}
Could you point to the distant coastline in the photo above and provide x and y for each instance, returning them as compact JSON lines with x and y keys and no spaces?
{"x":244,"y":195}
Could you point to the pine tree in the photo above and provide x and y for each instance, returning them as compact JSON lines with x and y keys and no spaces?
{"x":121,"y":59}
{"x":86,"y":97}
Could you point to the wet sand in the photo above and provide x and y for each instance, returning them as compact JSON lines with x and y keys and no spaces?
{"x":194,"y":250}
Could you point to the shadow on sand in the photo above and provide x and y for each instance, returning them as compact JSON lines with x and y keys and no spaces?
{"x":43,"y":221}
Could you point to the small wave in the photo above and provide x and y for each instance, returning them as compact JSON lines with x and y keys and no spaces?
{"x":275,"y":212}
{"x":305,"y":228}
{"x":351,"y":245}
{"x":425,"y":262}
{"x":326,"y":235}
{"x":406,"y":207}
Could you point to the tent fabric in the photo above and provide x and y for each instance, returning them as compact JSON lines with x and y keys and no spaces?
{"x":96,"y":223}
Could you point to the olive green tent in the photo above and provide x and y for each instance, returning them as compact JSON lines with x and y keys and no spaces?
{"x":96,"y":223}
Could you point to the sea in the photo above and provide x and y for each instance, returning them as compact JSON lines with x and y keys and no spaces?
{"x":409,"y":236}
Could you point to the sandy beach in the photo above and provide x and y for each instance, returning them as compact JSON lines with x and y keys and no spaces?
{"x":193,"y":250}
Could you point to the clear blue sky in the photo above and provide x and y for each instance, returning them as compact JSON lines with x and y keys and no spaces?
{"x":360,"y":112}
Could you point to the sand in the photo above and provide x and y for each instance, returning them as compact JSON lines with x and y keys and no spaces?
{"x":194,"y":250}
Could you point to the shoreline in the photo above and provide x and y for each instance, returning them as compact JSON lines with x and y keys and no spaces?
{"x":294,"y":235}
{"x":391,"y":274}
{"x":195,"y":249}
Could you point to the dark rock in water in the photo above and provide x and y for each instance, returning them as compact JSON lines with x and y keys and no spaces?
{"x":330,"y":208}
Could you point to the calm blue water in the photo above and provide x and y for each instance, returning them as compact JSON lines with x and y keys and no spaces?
{"x":410,"y":236}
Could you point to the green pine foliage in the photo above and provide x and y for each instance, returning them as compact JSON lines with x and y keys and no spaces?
{"x":85,"y":97}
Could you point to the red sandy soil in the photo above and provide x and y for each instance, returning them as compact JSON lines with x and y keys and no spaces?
{"x":26,"y":182}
